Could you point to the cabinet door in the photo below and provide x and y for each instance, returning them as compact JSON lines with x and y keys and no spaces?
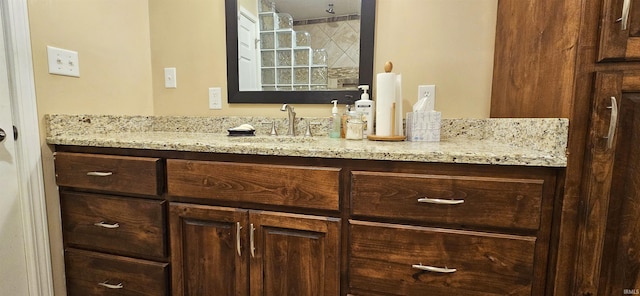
{"x":207,"y":250}
{"x":597,"y":182}
{"x":620,"y":30}
{"x":294,"y":254}
{"x":621,"y":256}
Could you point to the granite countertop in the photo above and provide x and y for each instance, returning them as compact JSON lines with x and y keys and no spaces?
{"x":527,"y":142}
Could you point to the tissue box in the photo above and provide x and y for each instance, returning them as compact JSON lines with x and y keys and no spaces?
{"x":423,"y":126}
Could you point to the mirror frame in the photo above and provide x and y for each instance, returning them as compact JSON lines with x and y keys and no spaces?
{"x":234,"y":95}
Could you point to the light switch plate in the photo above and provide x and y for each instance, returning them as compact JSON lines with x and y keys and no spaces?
{"x":215,"y":98}
{"x":170,"y":78}
{"x":63,"y":62}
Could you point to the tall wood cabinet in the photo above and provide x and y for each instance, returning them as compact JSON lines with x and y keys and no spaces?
{"x":579,"y":59}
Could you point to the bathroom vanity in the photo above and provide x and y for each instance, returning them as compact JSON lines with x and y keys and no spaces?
{"x":147,"y":204}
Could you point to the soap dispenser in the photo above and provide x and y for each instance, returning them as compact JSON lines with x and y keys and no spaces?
{"x":334,"y":131}
{"x":366,"y":107}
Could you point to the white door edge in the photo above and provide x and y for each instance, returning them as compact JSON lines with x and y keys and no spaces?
{"x":28,"y":153}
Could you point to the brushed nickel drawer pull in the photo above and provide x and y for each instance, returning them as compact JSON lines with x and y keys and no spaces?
{"x":251,"y":242}
{"x":100,"y":174}
{"x":107,"y":225}
{"x":110,"y":286}
{"x":238,"y":227}
{"x":434,"y":269}
{"x":440,"y":201}
{"x":613,"y":123}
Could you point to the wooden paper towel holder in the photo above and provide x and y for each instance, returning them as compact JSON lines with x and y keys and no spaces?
{"x":393,"y":126}
{"x":388,"y":66}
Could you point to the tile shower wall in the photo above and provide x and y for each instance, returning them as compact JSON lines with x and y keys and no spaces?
{"x":340,"y":37}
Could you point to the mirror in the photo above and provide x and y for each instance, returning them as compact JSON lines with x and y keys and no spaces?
{"x":284,"y":66}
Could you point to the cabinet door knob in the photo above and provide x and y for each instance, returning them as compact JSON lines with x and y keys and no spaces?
{"x":440,"y":201}
{"x":3,"y":135}
{"x":434,"y":269}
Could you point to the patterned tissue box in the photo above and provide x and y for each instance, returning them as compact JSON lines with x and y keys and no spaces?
{"x":423,"y":126}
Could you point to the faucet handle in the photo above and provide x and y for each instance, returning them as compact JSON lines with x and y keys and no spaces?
{"x":273,"y":128}
{"x":309,"y":124}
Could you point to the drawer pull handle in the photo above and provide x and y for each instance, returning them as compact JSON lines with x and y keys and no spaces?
{"x":110,"y":286}
{"x":434,"y":269}
{"x":107,"y":225}
{"x":238,"y":227}
{"x":440,"y":201}
{"x":99,"y":174}
{"x":251,"y":242}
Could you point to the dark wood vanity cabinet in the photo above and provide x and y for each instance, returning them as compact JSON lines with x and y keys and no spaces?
{"x":113,"y":223}
{"x":262,"y":225}
{"x":242,"y":251}
{"x":232,"y":251}
{"x":466,"y":232}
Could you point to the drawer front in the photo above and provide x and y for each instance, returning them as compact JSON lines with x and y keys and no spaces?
{"x":126,"y":174}
{"x":128,"y":226}
{"x":90,"y":273}
{"x":296,"y":186}
{"x":456,"y":200}
{"x":411,"y":260}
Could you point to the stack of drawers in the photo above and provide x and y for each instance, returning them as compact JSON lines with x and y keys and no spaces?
{"x":114,"y":224}
{"x":418,"y":234}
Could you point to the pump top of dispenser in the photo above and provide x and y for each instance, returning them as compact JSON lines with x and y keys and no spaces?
{"x":365,"y":94}
{"x":334,"y":110}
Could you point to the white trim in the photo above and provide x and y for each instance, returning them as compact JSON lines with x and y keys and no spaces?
{"x":28,"y":154}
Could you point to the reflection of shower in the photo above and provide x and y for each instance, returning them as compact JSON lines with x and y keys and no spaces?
{"x":330,"y":9}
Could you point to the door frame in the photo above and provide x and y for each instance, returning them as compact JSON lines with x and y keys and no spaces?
{"x":28,"y":153}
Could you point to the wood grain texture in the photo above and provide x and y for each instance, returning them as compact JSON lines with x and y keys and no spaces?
{"x":296,"y":186}
{"x":596,"y":186}
{"x":535,"y":50}
{"x":85,"y":270}
{"x":295,"y":255}
{"x":616,"y":43}
{"x":493,"y":202}
{"x":134,"y":175}
{"x":621,"y":255}
{"x":204,"y":257}
{"x":141,"y":227}
{"x":382,"y":256}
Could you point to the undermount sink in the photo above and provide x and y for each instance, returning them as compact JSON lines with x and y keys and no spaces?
{"x":273,"y":139}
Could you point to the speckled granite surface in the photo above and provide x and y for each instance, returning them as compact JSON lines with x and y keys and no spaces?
{"x":528,"y":142}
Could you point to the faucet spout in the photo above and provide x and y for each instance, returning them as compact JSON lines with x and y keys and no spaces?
{"x":292,"y":119}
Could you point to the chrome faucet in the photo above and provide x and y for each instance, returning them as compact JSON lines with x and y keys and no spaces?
{"x":292,"y":119}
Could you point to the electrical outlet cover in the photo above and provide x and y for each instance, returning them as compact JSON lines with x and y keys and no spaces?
{"x":215,"y":98}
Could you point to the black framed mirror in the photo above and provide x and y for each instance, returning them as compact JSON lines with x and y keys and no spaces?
{"x":314,"y":94}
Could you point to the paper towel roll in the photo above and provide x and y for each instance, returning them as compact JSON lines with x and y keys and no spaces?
{"x":385,"y":97}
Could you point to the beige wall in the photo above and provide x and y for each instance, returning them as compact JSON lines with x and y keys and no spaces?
{"x":448,"y":43}
{"x":124,"y":45}
{"x":112,"y":40}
